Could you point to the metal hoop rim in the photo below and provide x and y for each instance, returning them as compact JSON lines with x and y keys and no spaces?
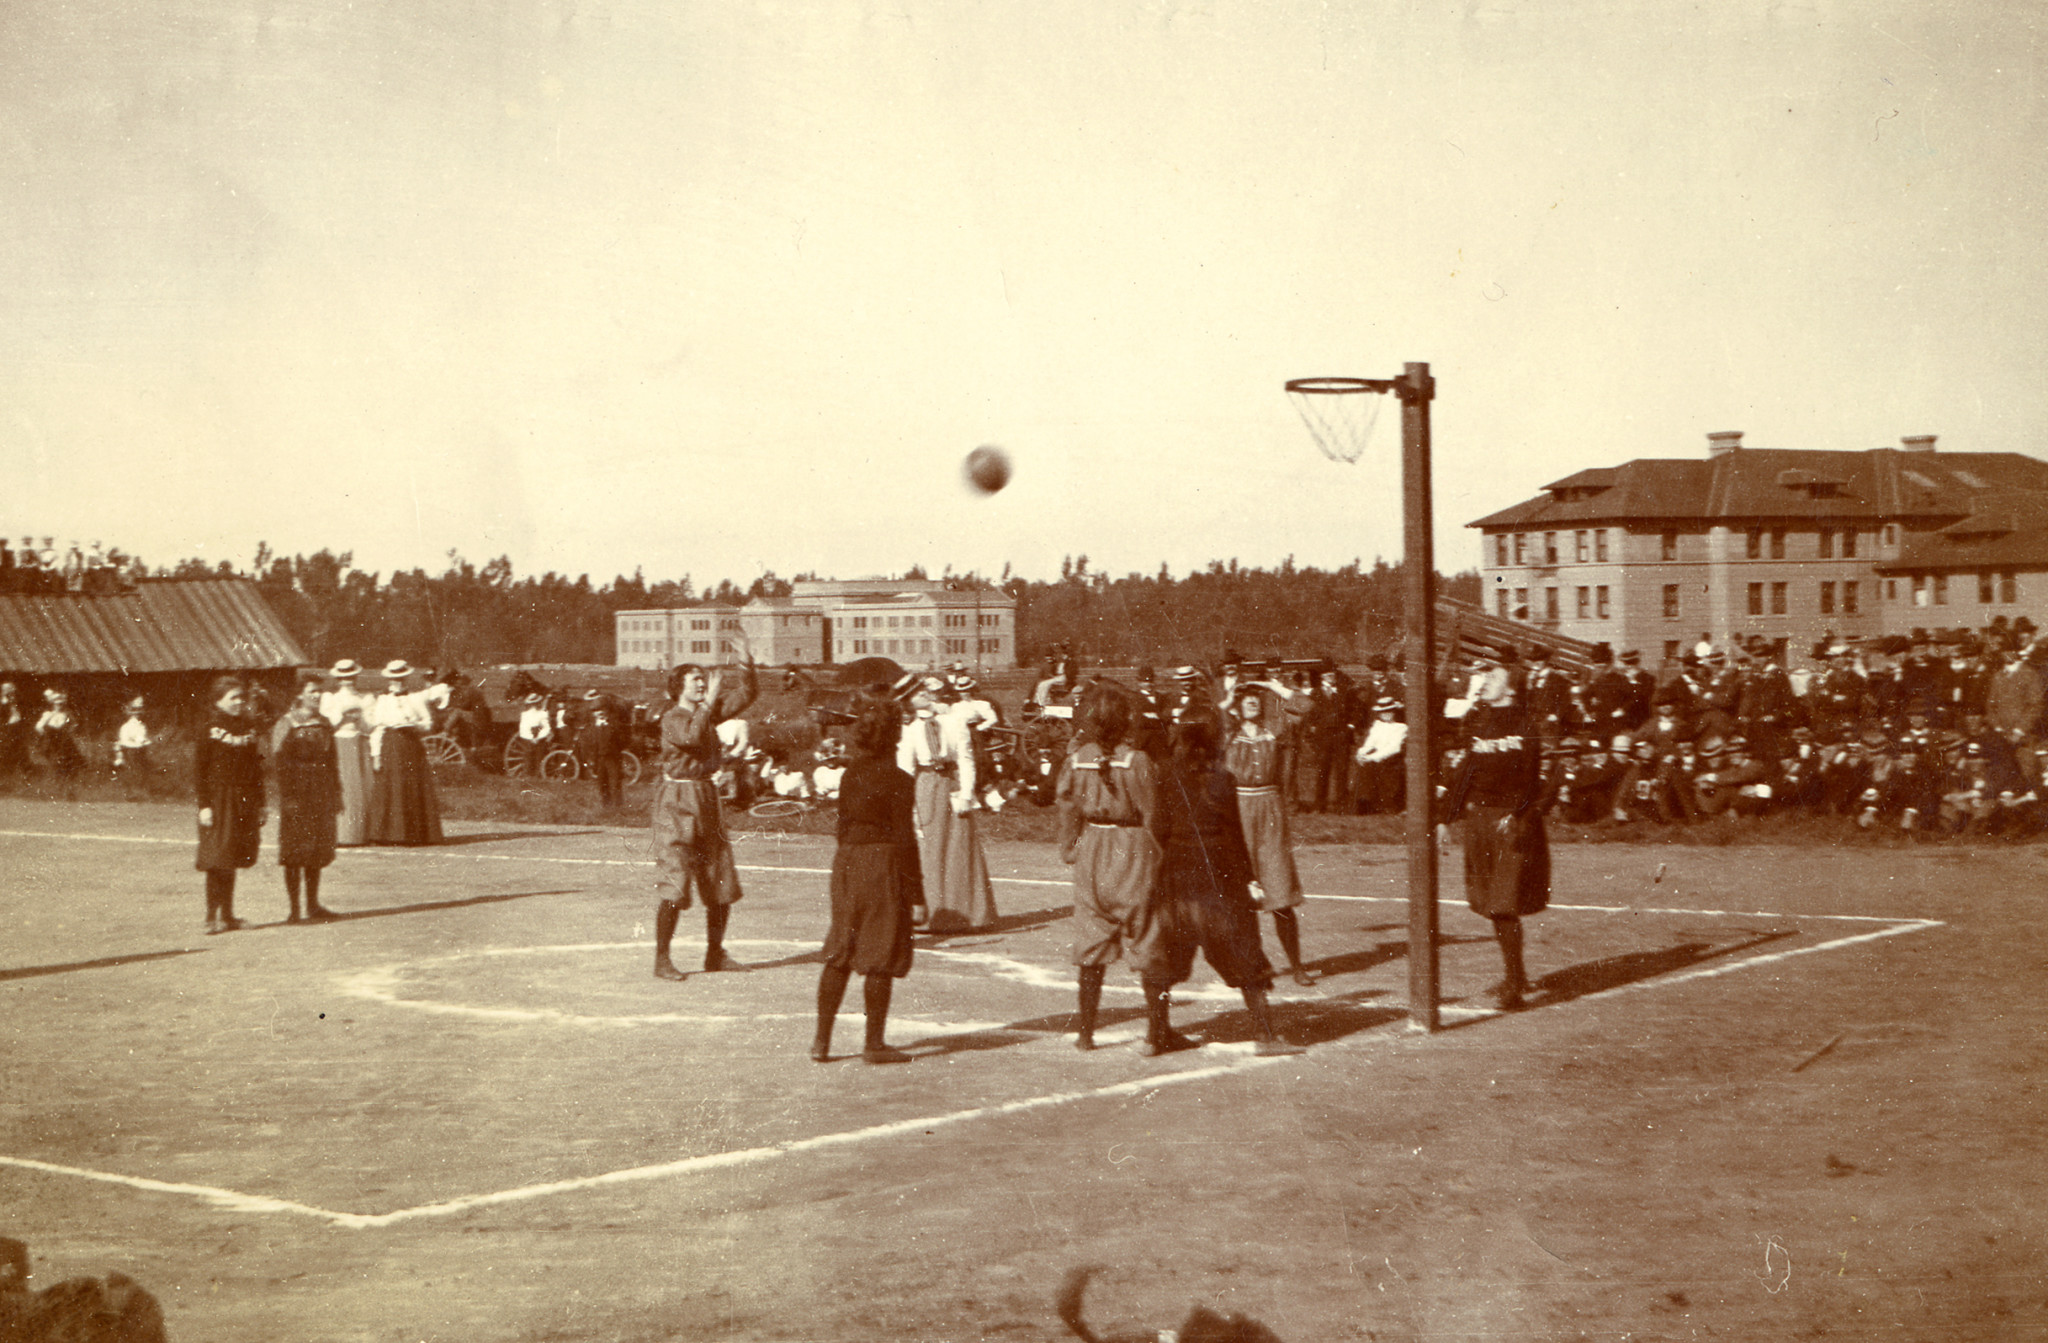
{"x":1338,"y":386}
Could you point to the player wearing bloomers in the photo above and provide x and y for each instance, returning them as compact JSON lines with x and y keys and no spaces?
{"x":1108,"y":801}
{"x":691,"y":849}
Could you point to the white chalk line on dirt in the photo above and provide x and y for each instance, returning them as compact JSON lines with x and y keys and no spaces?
{"x":234,"y":1200}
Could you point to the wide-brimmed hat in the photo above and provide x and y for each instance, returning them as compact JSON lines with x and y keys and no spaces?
{"x":536,"y":698}
{"x":397,"y":669}
{"x":1712,"y":746}
{"x":1387,"y":704}
{"x":1186,"y":673}
{"x":593,"y":693}
{"x":135,"y":705}
{"x":346,"y":670}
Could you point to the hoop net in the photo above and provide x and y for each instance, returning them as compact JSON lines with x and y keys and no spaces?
{"x":1340,"y":414}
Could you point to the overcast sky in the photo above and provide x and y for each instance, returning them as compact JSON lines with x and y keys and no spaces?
{"x":719,"y":288}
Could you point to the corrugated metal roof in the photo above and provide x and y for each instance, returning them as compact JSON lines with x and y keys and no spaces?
{"x":164,"y":626}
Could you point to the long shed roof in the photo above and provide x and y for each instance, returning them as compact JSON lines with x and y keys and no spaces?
{"x":160,"y":626}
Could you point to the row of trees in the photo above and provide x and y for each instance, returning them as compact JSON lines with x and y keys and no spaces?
{"x":470,"y":616}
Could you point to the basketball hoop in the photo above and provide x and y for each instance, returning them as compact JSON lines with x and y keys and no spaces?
{"x":1340,"y":412}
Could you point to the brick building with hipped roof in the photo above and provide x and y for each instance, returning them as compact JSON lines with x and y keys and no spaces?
{"x":1787,"y":547}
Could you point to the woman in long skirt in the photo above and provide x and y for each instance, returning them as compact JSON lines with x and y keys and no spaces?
{"x":1255,"y":758}
{"x":348,"y":709}
{"x":227,"y":766}
{"x":1203,"y":899}
{"x":1497,"y":794}
{"x":404,"y":808}
{"x":302,"y":757}
{"x":936,"y":751}
{"x":877,"y":887}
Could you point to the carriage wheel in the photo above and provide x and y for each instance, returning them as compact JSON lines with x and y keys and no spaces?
{"x":629,"y":767}
{"x":516,"y":758}
{"x":778,"y":806}
{"x":560,"y":767}
{"x":443,"y":749}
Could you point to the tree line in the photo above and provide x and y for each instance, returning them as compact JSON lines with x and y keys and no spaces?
{"x":470,"y":615}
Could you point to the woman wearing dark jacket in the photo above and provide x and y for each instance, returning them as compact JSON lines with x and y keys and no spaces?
{"x":1203,"y":898}
{"x":1497,"y":793}
{"x":877,"y":884}
{"x":228,"y":768}
{"x":303,"y":756}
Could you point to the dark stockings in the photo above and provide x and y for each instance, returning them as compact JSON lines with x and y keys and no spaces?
{"x":1289,"y":928}
{"x":666,"y":915}
{"x":1091,"y":1003}
{"x":309,"y":879}
{"x":1160,"y":1036}
{"x":220,"y":898}
{"x":1508,"y":932}
{"x":875,"y":994}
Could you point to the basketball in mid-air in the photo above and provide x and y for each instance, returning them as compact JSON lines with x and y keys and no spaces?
{"x":988,"y":468}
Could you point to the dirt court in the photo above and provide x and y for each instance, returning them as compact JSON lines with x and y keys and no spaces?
{"x":1768,"y":1093}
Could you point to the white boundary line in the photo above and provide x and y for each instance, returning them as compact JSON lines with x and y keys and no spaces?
{"x":239,"y":1202}
{"x":1001,"y":965}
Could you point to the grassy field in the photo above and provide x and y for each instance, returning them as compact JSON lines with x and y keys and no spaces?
{"x":1768,"y":1092}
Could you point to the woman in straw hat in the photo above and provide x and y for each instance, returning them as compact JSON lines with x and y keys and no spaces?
{"x":348,"y":709}
{"x":403,"y":806}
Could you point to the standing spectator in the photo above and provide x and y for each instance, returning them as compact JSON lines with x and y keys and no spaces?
{"x":404,"y":807}
{"x":1642,"y":689}
{"x":934,"y":749}
{"x":2013,"y":706}
{"x":1108,"y":798}
{"x":1609,"y":699}
{"x":348,"y":709}
{"x":877,"y":887}
{"x":227,"y":768}
{"x":57,"y":742}
{"x":14,"y":735}
{"x":303,"y":758}
{"x":1548,"y":693}
{"x":692,"y":853}
{"x":1255,"y":759}
{"x":1495,"y":793}
{"x":602,"y":743}
{"x":534,"y":736}
{"x":132,"y":763}
{"x":1326,"y":728}
{"x":978,"y":716}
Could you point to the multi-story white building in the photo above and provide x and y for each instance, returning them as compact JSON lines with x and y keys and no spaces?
{"x":917,"y":622}
{"x":1785,"y":546}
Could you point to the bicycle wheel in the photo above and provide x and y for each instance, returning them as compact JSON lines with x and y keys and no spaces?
{"x":560,"y":767}
{"x":629,"y":767}
{"x":778,"y":806}
{"x":443,"y":749}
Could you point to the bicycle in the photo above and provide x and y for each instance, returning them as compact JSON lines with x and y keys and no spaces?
{"x":564,"y":765}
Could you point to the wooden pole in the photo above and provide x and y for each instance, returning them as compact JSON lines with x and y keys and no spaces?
{"x":1416,"y":390}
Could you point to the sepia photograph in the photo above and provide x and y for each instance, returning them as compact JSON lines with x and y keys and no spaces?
{"x":1214,"y":671}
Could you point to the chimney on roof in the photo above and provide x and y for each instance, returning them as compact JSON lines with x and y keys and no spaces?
{"x":1724,"y":442}
{"x":1919,"y":442}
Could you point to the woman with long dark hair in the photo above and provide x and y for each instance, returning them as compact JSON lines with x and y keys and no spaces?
{"x":877,"y":883}
{"x":302,"y":756}
{"x":227,"y":767}
{"x":1203,"y":900}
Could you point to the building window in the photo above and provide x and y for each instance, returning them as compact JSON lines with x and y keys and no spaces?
{"x":1778,"y":543}
{"x":1827,"y":544}
{"x":1753,"y":547}
{"x":1941,"y":589}
{"x":1521,"y":603}
{"x":1579,"y":547}
{"x":1600,"y":601}
{"x":860,"y":622}
{"x":1851,"y":601}
{"x":1500,"y":602}
{"x":1984,"y":588}
{"x":1520,"y":557}
{"x":1500,"y":550}
{"x":1671,"y":545}
{"x":1670,"y":599}
{"x":1550,"y":605}
{"x":1600,"y":545}
{"x":700,"y":645}
{"x":1827,"y":599}
{"x":1585,"y":603}
{"x":1756,"y":599}
{"x":1891,"y":589}
{"x":1671,"y":650}
{"x":1849,"y":544}
{"x":1550,"y":547}
{"x":860,"y":645}
{"x":1778,"y":593}
{"x":700,"y":624}
{"x":1891,"y":534}
{"x":1919,"y":589}
{"x":2008,"y":588}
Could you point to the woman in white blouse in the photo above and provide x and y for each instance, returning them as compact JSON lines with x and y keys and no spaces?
{"x":349,"y":710}
{"x":403,"y":806}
